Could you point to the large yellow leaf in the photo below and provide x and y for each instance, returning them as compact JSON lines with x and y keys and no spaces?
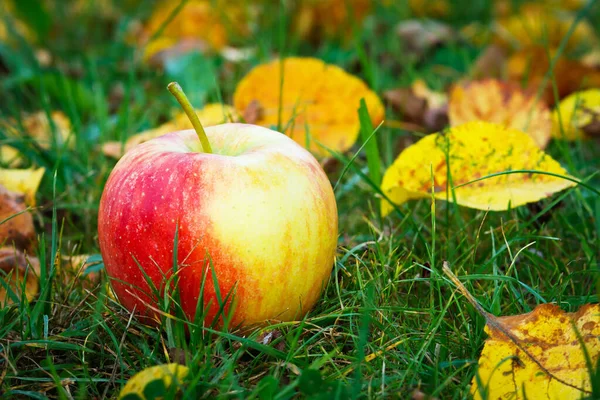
{"x":317,"y":102}
{"x":211,"y":114}
{"x":503,"y":103}
{"x":577,"y":116}
{"x":543,"y":358}
{"x":475,"y":150}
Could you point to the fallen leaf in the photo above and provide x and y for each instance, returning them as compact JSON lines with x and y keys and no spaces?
{"x":199,"y":25}
{"x":22,"y":181}
{"x":537,"y":355}
{"x":16,"y":224}
{"x":577,"y":116}
{"x":490,"y":63}
{"x":153,"y":380}
{"x":319,"y":102}
{"x":39,"y":128}
{"x":548,"y":337}
{"x":16,"y":266}
{"x":502,"y":103}
{"x":537,"y":25}
{"x":429,"y":8}
{"x":475,"y":149}
{"x":9,"y":156}
{"x":211,"y":114}
{"x":318,"y":19}
{"x":420,"y":105}
{"x":530,"y":67}
{"x":419,"y":36}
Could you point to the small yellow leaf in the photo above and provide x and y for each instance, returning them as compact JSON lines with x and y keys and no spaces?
{"x":39,"y":128}
{"x":22,"y":181}
{"x":506,"y":371}
{"x":503,"y":103}
{"x":9,"y":156}
{"x":318,"y":102}
{"x":211,"y":114}
{"x":576,"y":114}
{"x":475,"y":149}
{"x":166,"y":372}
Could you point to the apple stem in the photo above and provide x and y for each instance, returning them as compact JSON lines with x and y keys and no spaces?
{"x":177,"y":91}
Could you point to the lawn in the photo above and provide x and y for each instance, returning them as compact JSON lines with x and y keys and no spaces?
{"x":389,"y":323}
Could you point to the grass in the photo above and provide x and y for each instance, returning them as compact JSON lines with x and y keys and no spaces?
{"x":387,"y":299}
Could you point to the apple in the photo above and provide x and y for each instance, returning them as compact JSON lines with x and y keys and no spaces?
{"x":250,"y":207}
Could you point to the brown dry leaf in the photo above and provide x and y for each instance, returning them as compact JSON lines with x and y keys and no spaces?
{"x":473,"y":150}
{"x":502,"y":103}
{"x":22,"y":181}
{"x":199,"y":25}
{"x":211,"y":114}
{"x":16,"y":225}
{"x":319,"y":102}
{"x":420,"y":105}
{"x":490,"y":63}
{"x":315,"y":19}
{"x":39,"y":128}
{"x":538,"y":25}
{"x":578,"y":116}
{"x":547,"y":334}
{"x":531,"y":66}
{"x":419,"y":36}
{"x":15,"y":267}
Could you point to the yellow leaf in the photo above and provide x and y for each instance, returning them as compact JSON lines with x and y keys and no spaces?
{"x":575,"y":114}
{"x":319,"y":102}
{"x":39,"y":128}
{"x":9,"y":156}
{"x":166,"y":372}
{"x":506,"y":371}
{"x":22,"y":181}
{"x":503,"y":103}
{"x":475,"y":149}
{"x":211,"y":114}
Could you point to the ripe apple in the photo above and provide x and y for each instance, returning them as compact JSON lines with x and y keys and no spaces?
{"x":258,"y":212}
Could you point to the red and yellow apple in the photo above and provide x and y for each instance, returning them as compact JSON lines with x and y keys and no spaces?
{"x":258,"y":211}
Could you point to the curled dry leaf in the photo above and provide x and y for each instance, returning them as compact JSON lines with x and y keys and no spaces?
{"x":22,"y":181}
{"x":419,"y":36}
{"x":539,"y":25}
{"x":577,"y":116}
{"x":420,"y":105}
{"x":199,"y":25}
{"x":168,"y":374}
{"x":211,"y":114}
{"x":547,"y":334}
{"x":319,"y":102}
{"x":532,"y":65}
{"x":315,"y":19}
{"x":39,"y":128}
{"x":474,"y":150}
{"x":16,"y":225}
{"x":502,"y":103}
{"x":16,"y":269}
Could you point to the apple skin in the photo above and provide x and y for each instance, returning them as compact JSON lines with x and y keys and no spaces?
{"x":260,"y":208}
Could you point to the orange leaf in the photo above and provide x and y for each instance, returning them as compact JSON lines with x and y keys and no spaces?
{"x":319,"y":102}
{"x":502,"y":103}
